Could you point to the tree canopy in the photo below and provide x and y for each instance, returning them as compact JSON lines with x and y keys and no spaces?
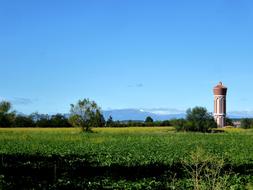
{"x":5,"y":107}
{"x":149,"y":120}
{"x":86,"y":114}
{"x":6,"y":116}
{"x":247,"y":123}
{"x":198,"y":119}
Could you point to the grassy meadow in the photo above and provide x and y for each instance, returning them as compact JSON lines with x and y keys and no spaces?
{"x":128,"y":158}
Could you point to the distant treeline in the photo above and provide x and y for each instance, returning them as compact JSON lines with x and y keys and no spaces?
{"x":62,"y":121}
{"x":33,"y":120}
{"x":10,"y":118}
{"x":247,"y":123}
{"x":131,"y":123}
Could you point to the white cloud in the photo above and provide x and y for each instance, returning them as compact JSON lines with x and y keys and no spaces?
{"x":21,"y":101}
{"x":164,"y":111}
{"x":18,"y":100}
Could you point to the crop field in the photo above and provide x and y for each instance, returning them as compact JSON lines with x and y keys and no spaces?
{"x":125,"y":158}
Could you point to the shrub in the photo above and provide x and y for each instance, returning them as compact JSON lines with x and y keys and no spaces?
{"x":246,"y":123}
{"x":206,"y":171}
{"x":197,"y":120}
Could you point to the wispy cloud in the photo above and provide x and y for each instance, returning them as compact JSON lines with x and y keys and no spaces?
{"x":138,"y":85}
{"x":18,"y":100}
{"x":163,"y":111}
{"x":244,"y":99}
{"x":246,"y":112}
{"x":21,"y":101}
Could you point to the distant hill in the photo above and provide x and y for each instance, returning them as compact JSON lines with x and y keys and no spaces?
{"x":136,"y":114}
{"x":240,"y":114}
{"x":140,"y":115}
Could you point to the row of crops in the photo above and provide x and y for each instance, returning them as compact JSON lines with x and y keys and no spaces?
{"x":107,"y":159}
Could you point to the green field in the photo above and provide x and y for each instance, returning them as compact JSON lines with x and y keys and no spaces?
{"x":120,"y":158}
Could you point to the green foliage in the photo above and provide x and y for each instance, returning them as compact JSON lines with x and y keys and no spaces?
{"x":86,"y":114}
{"x":247,"y":123}
{"x":165,"y":123}
{"x":99,"y":120}
{"x":5,"y":120}
{"x":107,"y":159}
{"x":177,"y":122}
{"x":5,"y":107}
{"x":43,"y":121}
{"x":197,"y":120}
{"x":126,"y":148}
{"x":205,"y":170}
{"x":229,"y":122}
{"x":59,"y":120}
{"x":149,"y":120}
{"x":76,"y":121}
{"x":110,"y":122}
{"x":23,"y":121}
{"x":208,"y":172}
{"x":6,"y":117}
{"x":130,"y":123}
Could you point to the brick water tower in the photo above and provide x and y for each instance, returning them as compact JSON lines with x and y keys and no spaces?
{"x":220,"y":93}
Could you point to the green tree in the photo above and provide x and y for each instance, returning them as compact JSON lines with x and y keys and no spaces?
{"x":149,"y":120}
{"x":99,"y":120}
{"x":43,"y":121}
{"x":246,"y":123}
{"x":109,"y":122}
{"x":85,"y":114}
{"x":35,"y":116}
{"x":5,"y":107}
{"x":6,"y":116}
{"x":59,"y":120}
{"x":165,"y":123}
{"x":5,"y":120}
{"x":23,"y":121}
{"x":229,"y":122}
{"x":177,"y":122}
{"x":199,"y":120}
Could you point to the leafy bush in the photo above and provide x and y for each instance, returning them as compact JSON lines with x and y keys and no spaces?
{"x":197,"y":120}
{"x":247,"y":123}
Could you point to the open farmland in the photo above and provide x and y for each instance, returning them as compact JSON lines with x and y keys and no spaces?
{"x":118,"y":158}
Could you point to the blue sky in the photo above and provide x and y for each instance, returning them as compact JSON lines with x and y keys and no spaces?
{"x":125,"y":54}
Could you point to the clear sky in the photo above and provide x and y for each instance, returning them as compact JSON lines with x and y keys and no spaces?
{"x":125,"y":53}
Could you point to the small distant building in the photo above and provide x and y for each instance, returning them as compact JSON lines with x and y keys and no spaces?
{"x":220,"y":93}
{"x":237,"y":123}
